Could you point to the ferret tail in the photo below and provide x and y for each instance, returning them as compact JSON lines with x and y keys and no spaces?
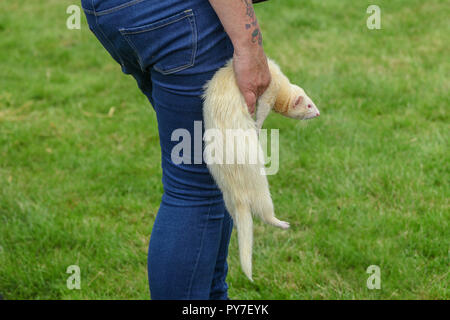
{"x":244,"y":226}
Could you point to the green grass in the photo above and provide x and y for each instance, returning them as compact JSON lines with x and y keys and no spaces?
{"x":365,"y":184}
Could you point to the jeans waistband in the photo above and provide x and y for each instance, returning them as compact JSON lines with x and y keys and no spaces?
{"x":99,"y":8}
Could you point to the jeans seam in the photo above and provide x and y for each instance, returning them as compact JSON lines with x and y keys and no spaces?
{"x":106,"y":38}
{"x":195,"y":40}
{"x":135,"y":51}
{"x":230,"y":221}
{"x":199,"y":252}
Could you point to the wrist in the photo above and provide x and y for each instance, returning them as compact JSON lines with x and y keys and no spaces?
{"x":245,"y":48}
{"x":248,"y":41}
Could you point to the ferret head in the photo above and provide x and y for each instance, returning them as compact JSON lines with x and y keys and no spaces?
{"x":293,"y":102}
{"x":301,"y":106}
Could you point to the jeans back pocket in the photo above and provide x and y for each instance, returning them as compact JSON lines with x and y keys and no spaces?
{"x":168,"y":45}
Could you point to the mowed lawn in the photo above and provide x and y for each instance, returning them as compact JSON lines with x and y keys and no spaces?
{"x":365,"y":184}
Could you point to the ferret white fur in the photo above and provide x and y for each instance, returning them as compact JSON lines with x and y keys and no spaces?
{"x":245,"y":189}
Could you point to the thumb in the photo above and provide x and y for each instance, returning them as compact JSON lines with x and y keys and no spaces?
{"x":250,"y":99}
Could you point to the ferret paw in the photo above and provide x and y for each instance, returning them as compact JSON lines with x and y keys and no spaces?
{"x":280,"y":224}
{"x":283,"y":225}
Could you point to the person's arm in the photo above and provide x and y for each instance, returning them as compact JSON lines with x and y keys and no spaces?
{"x":250,"y":63}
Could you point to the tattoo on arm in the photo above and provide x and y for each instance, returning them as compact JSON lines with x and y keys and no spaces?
{"x":256,"y":34}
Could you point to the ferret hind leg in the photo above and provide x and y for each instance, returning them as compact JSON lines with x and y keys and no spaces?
{"x":263,"y":207}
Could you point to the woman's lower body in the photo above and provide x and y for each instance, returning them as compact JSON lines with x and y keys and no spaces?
{"x":172,"y":48}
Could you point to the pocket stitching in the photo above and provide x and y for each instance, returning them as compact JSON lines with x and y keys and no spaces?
{"x":185,"y":14}
{"x":194,"y":50}
{"x":124,"y":32}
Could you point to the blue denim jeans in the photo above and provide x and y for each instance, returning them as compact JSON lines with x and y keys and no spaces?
{"x":171,"y":48}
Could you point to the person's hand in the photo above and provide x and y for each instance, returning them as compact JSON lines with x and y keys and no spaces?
{"x":252,"y":73}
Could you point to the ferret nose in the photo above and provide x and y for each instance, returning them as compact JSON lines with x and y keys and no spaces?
{"x":318,"y":114}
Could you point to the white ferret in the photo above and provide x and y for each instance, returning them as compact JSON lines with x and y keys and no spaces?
{"x":244,"y":185}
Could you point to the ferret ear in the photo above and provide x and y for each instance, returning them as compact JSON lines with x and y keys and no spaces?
{"x":298,"y":101}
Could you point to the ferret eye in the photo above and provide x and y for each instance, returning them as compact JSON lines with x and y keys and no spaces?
{"x":309,"y":106}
